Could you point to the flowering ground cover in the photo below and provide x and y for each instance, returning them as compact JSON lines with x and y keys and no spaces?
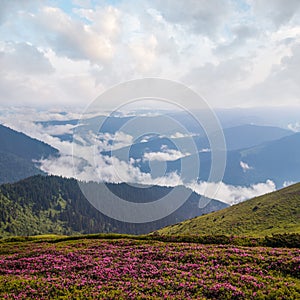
{"x":139,"y":269}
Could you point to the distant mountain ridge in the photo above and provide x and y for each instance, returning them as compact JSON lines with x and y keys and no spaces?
{"x":51,"y":204}
{"x":17,"y":154}
{"x":277,"y":212}
{"x":277,"y":160}
{"x":248,"y":135}
{"x":236,"y":138}
{"x":275,"y":144}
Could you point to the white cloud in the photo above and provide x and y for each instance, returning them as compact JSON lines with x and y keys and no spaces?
{"x":243,"y":53}
{"x":164,"y":155}
{"x":294,"y":127}
{"x":10,"y":114}
{"x":25,"y":120}
{"x":59,"y":129}
{"x":178,"y":135}
{"x":288,"y":183}
{"x":23,"y":58}
{"x":218,"y":80}
{"x":242,"y":35}
{"x":279,"y":12}
{"x":105,"y":141}
{"x":77,"y":40}
{"x":111,"y":169}
{"x":37,"y":131}
{"x":144,"y":53}
{"x":104,"y":169}
{"x":205,"y":150}
{"x":204,"y":17}
{"x":282,"y":81}
{"x":232,"y":194}
{"x":119,"y":140}
{"x":11,"y":9}
{"x":63,"y":166}
{"x":245,"y":166}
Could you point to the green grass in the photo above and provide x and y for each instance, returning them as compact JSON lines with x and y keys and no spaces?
{"x":291,"y":240}
{"x":274,"y":213}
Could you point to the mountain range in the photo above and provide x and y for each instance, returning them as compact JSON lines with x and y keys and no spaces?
{"x":254,"y":154}
{"x":50,"y":204}
{"x":236,"y":138}
{"x":277,"y":160}
{"x":19,"y":154}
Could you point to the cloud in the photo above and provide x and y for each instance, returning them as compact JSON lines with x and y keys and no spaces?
{"x":30,"y":114}
{"x":242,"y":34}
{"x":10,"y":9}
{"x":178,"y":135}
{"x":77,"y":40}
{"x":24,"y":69}
{"x":58,"y":129}
{"x":111,"y":169}
{"x":202,"y":17}
{"x":41,"y":133}
{"x":294,"y":127}
{"x":23,"y":58}
{"x":220,"y":79}
{"x":104,"y":169}
{"x":63,"y":166}
{"x":28,"y":122}
{"x":165,"y":155}
{"x":279,"y":12}
{"x":245,"y":166}
{"x":288,"y":183}
{"x":115,"y":141}
{"x":82,"y":162}
{"x":232,"y":194}
{"x":144,"y":52}
{"x":233,"y":53}
{"x":283,"y":81}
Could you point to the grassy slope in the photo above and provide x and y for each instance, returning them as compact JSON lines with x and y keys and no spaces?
{"x":277,"y":212}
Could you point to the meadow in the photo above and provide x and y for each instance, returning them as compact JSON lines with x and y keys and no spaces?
{"x":126,"y":268}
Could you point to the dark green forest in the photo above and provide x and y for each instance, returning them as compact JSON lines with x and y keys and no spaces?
{"x":52,"y":204}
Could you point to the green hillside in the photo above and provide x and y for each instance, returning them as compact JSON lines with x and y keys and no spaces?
{"x":56,"y":205}
{"x":277,"y":212}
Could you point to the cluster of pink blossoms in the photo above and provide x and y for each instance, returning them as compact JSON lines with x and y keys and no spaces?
{"x":133,"y":269}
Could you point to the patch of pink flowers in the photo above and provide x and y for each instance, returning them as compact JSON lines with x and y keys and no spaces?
{"x":133,"y":269}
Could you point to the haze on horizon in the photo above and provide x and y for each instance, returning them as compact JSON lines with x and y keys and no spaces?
{"x":236,"y":53}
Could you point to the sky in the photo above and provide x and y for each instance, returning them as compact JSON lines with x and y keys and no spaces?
{"x":234,"y":53}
